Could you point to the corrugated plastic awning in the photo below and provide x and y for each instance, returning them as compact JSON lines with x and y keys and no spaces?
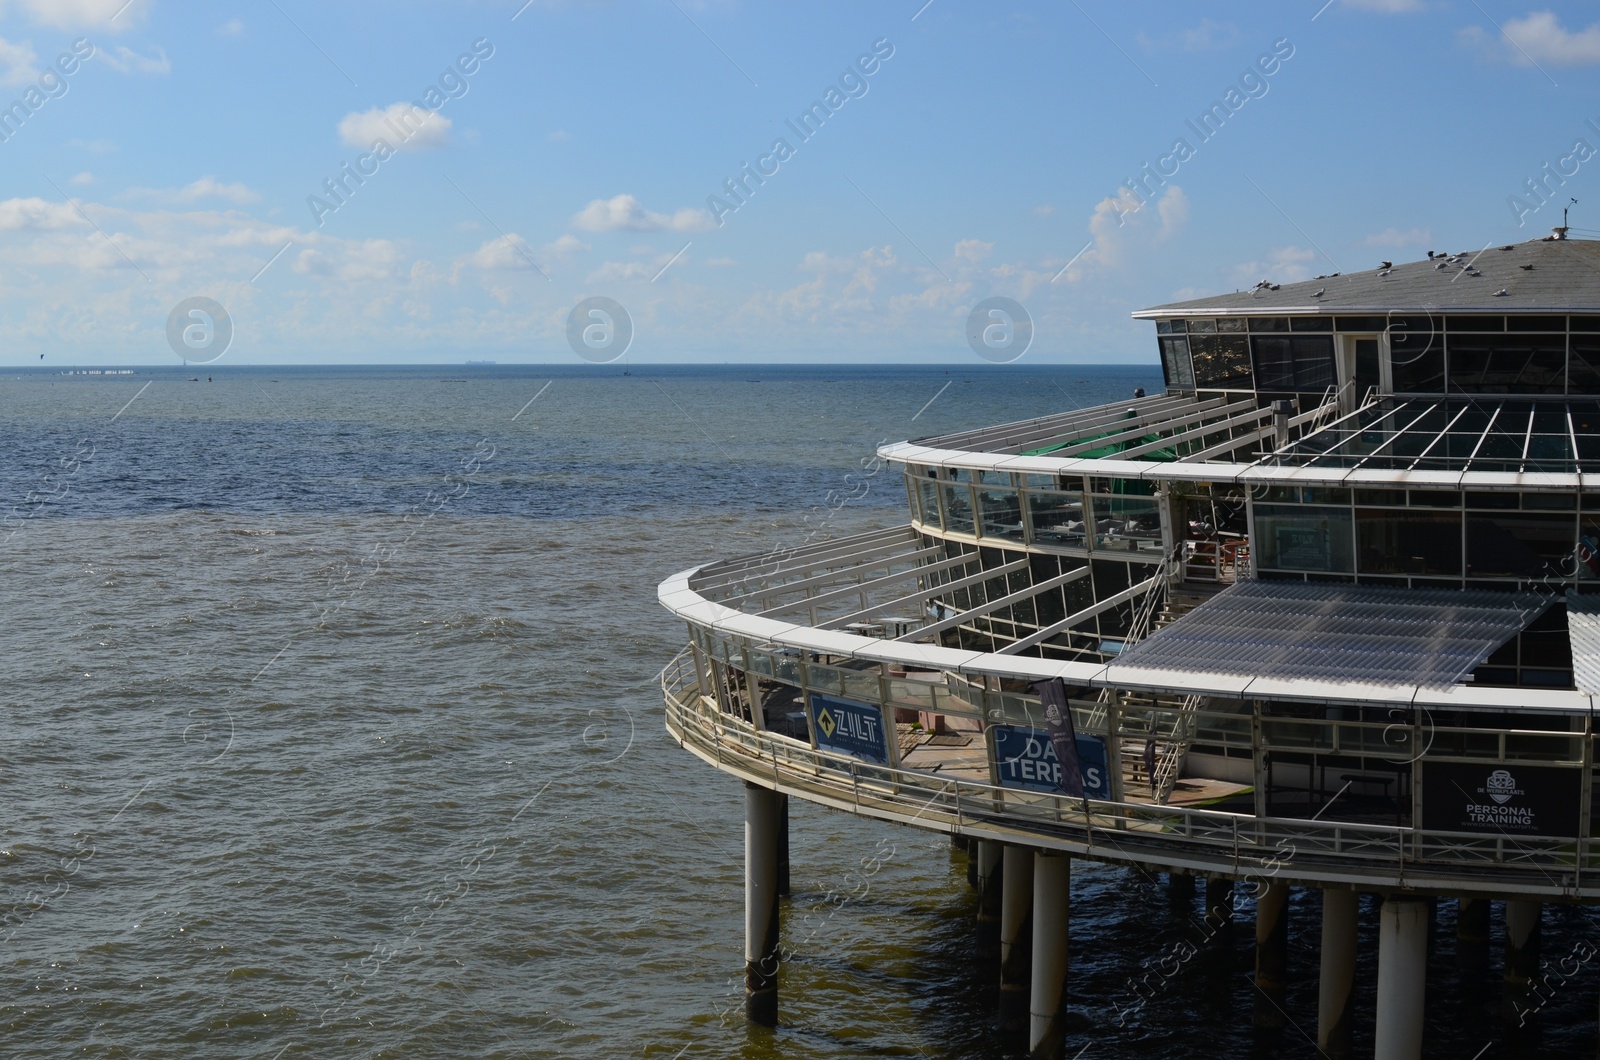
{"x":1339,"y":633}
{"x":1583,"y":629}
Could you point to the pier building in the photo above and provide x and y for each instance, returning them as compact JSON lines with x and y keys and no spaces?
{"x":1323,"y":613}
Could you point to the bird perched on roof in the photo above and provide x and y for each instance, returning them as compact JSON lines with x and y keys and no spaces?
{"x":1526,"y":268}
{"x":1430,"y":255}
{"x":1320,"y":292}
{"x":1501,"y":292}
{"x":1386,"y":265}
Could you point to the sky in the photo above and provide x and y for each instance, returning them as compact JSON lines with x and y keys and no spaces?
{"x":407,"y":182}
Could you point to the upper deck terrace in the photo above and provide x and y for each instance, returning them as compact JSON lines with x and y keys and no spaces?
{"x":1457,"y":442}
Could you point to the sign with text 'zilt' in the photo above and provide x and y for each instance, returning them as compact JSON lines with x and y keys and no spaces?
{"x":849,"y":728}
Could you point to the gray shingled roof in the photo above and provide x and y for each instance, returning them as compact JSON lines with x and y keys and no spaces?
{"x":1565,"y":276}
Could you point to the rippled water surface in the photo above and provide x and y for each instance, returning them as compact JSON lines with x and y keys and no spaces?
{"x":332,"y":728}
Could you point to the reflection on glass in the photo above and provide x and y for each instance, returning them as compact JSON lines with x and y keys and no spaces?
{"x":1304,"y":539}
{"x":1056,"y":518}
{"x":1413,"y":542}
{"x":1127,"y":522}
{"x":928,"y":494}
{"x":958,"y":509}
{"x":1002,"y":514}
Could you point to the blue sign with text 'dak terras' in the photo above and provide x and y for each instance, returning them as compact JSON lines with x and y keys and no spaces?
{"x":1025,"y":758}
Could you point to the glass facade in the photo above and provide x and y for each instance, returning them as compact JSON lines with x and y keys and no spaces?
{"x":1428,"y":353}
{"x":1427,"y":537}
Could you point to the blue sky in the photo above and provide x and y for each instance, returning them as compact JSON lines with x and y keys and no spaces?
{"x":990,"y":152}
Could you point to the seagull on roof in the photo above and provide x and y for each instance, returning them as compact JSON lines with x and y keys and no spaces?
{"x":1386,"y":265}
{"x":1527,"y":267}
{"x":1501,"y":292}
{"x":1320,"y":292}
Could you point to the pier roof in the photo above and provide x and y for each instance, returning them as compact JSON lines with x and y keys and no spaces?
{"x":1542,"y":275}
{"x":1335,"y":632}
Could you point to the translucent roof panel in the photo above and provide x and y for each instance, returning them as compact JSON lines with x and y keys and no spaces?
{"x":1338,"y":633}
{"x":1457,"y":434}
{"x":1583,"y":629}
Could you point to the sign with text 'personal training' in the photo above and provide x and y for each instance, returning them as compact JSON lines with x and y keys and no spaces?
{"x":1500,"y":798}
{"x":847,"y":727}
{"x":1023,"y":758}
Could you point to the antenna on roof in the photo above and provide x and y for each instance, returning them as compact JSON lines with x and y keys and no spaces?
{"x":1561,"y":233}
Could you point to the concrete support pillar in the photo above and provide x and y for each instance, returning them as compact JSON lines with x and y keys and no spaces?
{"x":1336,"y":985}
{"x":1047,"y":1007}
{"x":1272,"y":952}
{"x":1472,"y":934}
{"x":1522,"y":955}
{"x":990,"y":862}
{"x":1219,"y":910}
{"x":1180,"y":888}
{"x":783,"y":846}
{"x":1016,"y":919}
{"x":762,"y":815}
{"x":1402,"y":978}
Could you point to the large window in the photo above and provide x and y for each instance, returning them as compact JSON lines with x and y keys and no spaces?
{"x":1402,"y":542}
{"x":1299,"y":363}
{"x":1221,"y":361}
{"x":1507,"y":364}
{"x":1304,"y":538}
{"x":1002,"y":514}
{"x":1175,"y":363}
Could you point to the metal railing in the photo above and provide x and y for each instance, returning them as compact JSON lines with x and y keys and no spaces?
{"x":1203,"y":839}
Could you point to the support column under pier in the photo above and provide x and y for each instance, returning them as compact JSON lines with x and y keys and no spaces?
{"x":1522,"y":956}
{"x":1272,"y":952}
{"x":1336,"y":984}
{"x":762,"y":819}
{"x":1016,"y":911}
{"x":1180,"y":888}
{"x":1219,"y":910}
{"x":1047,"y":1008}
{"x":783,"y":846}
{"x":990,"y":867}
{"x":1472,"y":934}
{"x":1402,"y":978}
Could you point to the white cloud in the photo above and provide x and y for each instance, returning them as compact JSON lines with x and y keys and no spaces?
{"x":1044,"y":211}
{"x":400,"y":125}
{"x":94,"y":147}
{"x":1395,"y":238}
{"x":112,"y":15}
{"x":19,"y":215}
{"x":127,"y":61}
{"x":503,"y":253}
{"x":972,"y":251}
{"x":1207,"y":36}
{"x":211,"y":188}
{"x":721,"y":263}
{"x":1121,"y":225}
{"x":1282,"y":265}
{"x":18,"y":63}
{"x":357,"y":260}
{"x":231,"y":28}
{"x":83,"y":178}
{"x":617,"y":271}
{"x":1540,"y":38}
{"x":559,"y":135}
{"x":624,"y":214}
{"x":564,"y":247}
